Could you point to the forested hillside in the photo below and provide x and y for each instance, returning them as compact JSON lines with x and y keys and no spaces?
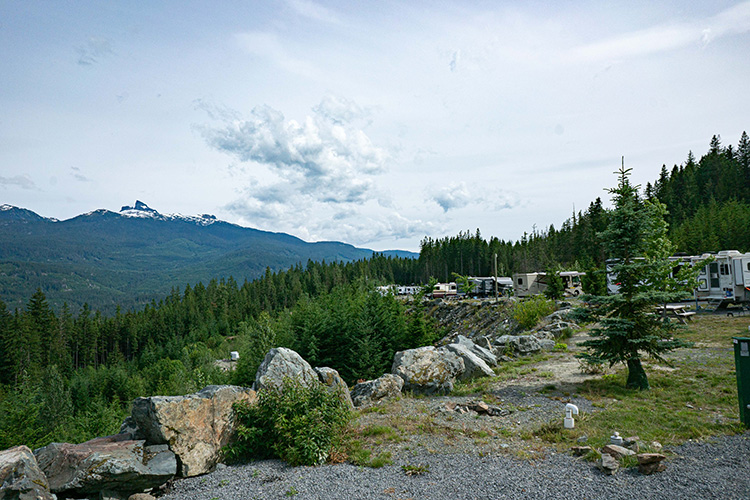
{"x":107,"y":259}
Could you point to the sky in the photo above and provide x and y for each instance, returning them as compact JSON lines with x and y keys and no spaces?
{"x":373,"y":123}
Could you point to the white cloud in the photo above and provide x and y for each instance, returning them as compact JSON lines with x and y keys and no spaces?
{"x":733,"y":20}
{"x":93,"y":51}
{"x":324,"y":164}
{"x":22,"y":181}
{"x":325,"y":157}
{"x":458,"y":195}
{"x":314,"y":11}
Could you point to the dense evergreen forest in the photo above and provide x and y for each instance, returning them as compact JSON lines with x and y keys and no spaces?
{"x":71,"y":375}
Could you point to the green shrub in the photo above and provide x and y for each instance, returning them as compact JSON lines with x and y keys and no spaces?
{"x":301,"y":425}
{"x":528,"y":312}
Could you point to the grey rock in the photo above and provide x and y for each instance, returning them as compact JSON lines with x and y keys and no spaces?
{"x":386,"y":387}
{"x":484,"y":354}
{"x":427,"y":370}
{"x":333,"y":381}
{"x":547,"y":344}
{"x":130,"y":429}
{"x":20,"y":476}
{"x":195,"y":426}
{"x":281,"y":364}
{"x":617,"y":451}
{"x":518,"y":344}
{"x":107,"y":463}
{"x":474,"y":366}
{"x":141,"y":496}
{"x":608,"y":464}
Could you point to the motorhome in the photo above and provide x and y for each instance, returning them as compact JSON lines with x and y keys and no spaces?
{"x":526,"y":284}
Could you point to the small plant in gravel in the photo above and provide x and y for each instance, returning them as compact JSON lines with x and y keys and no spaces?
{"x":291,"y":492}
{"x":416,"y":470}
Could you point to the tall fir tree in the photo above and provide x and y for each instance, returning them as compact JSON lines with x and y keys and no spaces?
{"x":637,"y":241}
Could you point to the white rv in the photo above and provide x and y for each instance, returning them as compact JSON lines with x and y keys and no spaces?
{"x":526,"y":284}
{"x":726,"y":279}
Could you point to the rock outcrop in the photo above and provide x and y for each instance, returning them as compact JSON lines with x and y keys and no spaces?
{"x":522,"y":345}
{"x":20,"y":476}
{"x":427,"y":370}
{"x":331,"y":379}
{"x":386,"y":387}
{"x":107,"y":463}
{"x":195,"y":426}
{"x":484,"y":354}
{"x":281,"y":363}
{"x":474,"y":366}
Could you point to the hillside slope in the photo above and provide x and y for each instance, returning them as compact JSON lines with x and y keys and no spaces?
{"x":130,"y":257}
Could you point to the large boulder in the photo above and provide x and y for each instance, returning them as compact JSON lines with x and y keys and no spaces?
{"x":331,"y":379}
{"x":281,"y":364}
{"x":427,"y":370}
{"x":518,"y":344}
{"x":195,"y":426}
{"x":107,"y":463}
{"x":479,"y":351}
{"x":20,"y":476}
{"x":474,"y":366}
{"x":386,"y":387}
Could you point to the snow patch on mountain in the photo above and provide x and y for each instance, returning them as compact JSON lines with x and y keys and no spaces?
{"x":141,"y":210}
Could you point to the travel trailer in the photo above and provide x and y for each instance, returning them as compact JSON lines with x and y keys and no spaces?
{"x":485,"y":286}
{"x":445,"y":291}
{"x":724,"y":281}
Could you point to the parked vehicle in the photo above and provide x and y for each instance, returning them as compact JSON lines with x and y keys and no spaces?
{"x":724,"y":281}
{"x":527,"y":284}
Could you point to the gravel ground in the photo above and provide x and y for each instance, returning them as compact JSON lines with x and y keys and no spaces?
{"x":718,"y":469}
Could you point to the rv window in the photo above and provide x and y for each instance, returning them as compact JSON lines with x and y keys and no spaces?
{"x":703,"y":270}
{"x":520,"y":281}
{"x":724,"y":269}
{"x":748,"y":266}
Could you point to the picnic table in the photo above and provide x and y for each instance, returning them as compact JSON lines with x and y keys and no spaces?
{"x":678,"y":311}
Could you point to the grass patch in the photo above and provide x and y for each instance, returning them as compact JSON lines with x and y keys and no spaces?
{"x":693,"y":399}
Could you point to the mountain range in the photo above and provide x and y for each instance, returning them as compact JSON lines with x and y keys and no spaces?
{"x":133,"y":256}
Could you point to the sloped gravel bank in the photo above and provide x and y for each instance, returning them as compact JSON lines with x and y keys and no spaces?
{"x":718,"y":469}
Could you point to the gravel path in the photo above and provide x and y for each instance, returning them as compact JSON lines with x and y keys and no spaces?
{"x":715,"y":470}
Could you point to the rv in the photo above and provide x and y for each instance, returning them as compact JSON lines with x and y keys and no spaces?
{"x":726,"y":280}
{"x":445,"y":291}
{"x":723,"y":281}
{"x":485,"y":286}
{"x":526,"y":284}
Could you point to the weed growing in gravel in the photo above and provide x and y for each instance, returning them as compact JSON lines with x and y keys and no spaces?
{"x":416,"y":470}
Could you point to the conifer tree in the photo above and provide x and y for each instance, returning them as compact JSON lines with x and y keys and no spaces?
{"x":636,"y":239}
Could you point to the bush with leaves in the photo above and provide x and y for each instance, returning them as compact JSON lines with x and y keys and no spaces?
{"x":527,"y":313}
{"x":301,"y":425}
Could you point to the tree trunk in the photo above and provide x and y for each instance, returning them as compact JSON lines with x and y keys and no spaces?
{"x":637,"y":378}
